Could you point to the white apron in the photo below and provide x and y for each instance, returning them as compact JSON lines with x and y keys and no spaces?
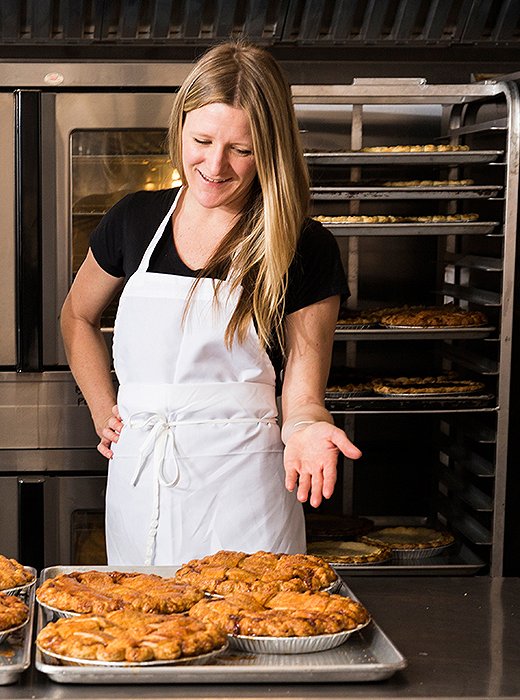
{"x":198,"y":466}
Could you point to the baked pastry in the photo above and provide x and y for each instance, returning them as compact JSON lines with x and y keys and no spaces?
{"x":100,"y":592}
{"x":130,"y":636}
{"x":428,"y":183}
{"x":229,"y":572}
{"x":13,"y":612}
{"x":387,"y":219}
{"x":13,"y":574}
{"x":426,"y":148}
{"x":285,"y":614}
{"x":349,"y":552}
{"x":442,"y":384}
{"x":434,"y":316}
{"x":409,"y":537}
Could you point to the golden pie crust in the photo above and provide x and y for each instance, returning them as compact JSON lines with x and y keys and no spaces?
{"x":442,"y":384}
{"x":229,"y":572}
{"x":425,"y":148}
{"x":13,"y":611}
{"x":131,"y":636}
{"x":349,"y":552}
{"x":388,"y":219}
{"x":409,"y":537}
{"x":285,"y":614}
{"x":428,"y":183}
{"x":102,"y":592}
{"x":438,"y":316}
{"x":13,"y":574}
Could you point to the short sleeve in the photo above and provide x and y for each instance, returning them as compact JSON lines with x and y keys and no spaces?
{"x":316,"y":272}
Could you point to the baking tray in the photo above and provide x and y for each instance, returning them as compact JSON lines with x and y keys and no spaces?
{"x":406,"y":192}
{"x":380,"y":402}
{"x":412,"y":333}
{"x":363,"y":158}
{"x":447,"y":228}
{"x":366,"y":656}
{"x":15,"y":651}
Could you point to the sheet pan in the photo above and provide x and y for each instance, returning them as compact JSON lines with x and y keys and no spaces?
{"x":15,"y":651}
{"x":366,"y":656}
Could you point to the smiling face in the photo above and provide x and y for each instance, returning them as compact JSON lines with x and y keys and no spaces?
{"x":217,"y":156}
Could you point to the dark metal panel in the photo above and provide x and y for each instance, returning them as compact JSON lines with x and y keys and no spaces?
{"x":507,"y":21}
{"x":342,"y":20}
{"x":192,"y":19}
{"x":311,"y":21}
{"x":404,"y":21}
{"x":474,"y":27}
{"x":9,"y":19}
{"x":73,"y":20}
{"x":256,"y":18}
{"x":160,"y":24}
{"x":436,"y":19}
{"x":28,"y":233}
{"x":129,"y":18}
{"x":41,"y":19}
{"x":373,"y":20}
{"x":223,"y":20}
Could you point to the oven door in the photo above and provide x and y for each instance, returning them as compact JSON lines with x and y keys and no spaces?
{"x":96,"y":148}
{"x":7,"y":232}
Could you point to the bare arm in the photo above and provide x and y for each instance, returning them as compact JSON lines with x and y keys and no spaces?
{"x":312,"y":441}
{"x":86,"y":349}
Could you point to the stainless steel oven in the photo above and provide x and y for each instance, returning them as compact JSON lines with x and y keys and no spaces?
{"x":7,"y":232}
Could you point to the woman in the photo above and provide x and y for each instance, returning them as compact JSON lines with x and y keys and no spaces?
{"x":224,"y":280}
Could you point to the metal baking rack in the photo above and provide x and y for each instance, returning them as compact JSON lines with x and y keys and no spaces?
{"x":388,"y":158}
{"x":409,"y":192}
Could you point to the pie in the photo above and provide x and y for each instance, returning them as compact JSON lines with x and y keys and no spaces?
{"x":442,"y":384}
{"x":434,"y":316}
{"x":229,"y":572}
{"x":13,"y":612}
{"x":99,"y":592}
{"x":130,"y":636}
{"x":409,"y":537}
{"x":426,"y":148}
{"x":428,"y":183}
{"x":13,"y":574}
{"x":349,"y":552}
{"x":285,"y":614}
{"x":430,"y":219}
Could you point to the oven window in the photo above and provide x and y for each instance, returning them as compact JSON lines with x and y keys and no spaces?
{"x":88,"y":538}
{"x":105,"y":166}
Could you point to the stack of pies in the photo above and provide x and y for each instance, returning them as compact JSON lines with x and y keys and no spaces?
{"x":351,"y":553}
{"x":13,"y":576}
{"x":411,"y":542}
{"x":419,"y":386}
{"x":103,"y":592}
{"x":13,"y":614}
{"x":131,"y":637}
{"x":228,"y":572}
{"x":388,"y":219}
{"x":426,"y":148}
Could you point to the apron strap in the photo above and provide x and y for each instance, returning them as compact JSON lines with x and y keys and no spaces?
{"x":162,"y":433}
{"x":145,"y":261}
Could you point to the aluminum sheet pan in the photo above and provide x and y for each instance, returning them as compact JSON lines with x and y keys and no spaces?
{"x":418,"y":192}
{"x":439,"y":158}
{"x":422,"y":229}
{"x":417,"y":333}
{"x":15,"y":651}
{"x":366,"y":656}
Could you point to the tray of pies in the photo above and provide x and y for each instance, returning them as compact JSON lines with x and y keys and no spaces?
{"x":355,"y":553}
{"x":14,"y":577}
{"x":404,"y":155}
{"x":407,"y":542}
{"x":16,"y":618}
{"x":447,"y":316}
{"x":367,"y":654}
{"x":405,"y":191}
{"x":426,"y":387}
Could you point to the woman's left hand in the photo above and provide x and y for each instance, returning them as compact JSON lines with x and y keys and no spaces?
{"x":310,"y":460}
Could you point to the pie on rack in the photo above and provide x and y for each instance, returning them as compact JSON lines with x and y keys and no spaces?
{"x":229,"y":572}
{"x":13,"y":574}
{"x":409,"y":538}
{"x":425,"y":148}
{"x":441,"y":384}
{"x":285,"y":614}
{"x":13,"y":611}
{"x":431,"y":317}
{"x":389,"y":219}
{"x":102,"y":592}
{"x":349,"y":552}
{"x":130,"y":636}
{"x":428,"y":183}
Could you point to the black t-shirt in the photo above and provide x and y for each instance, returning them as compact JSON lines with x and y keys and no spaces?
{"x":119,"y":242}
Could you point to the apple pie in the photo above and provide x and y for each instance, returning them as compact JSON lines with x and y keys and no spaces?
{"x":13,"y":574}
{"x":102,"y":592}
{"x":389,"y":219}
{"x":435,"y":316}
{"x":425,"y":148}
{"x":337,"y":552}
{"x":409,"y":538}
{"x":130,"y":636}
{"x":13,"y":612}
{"x":442,"y":384}
{"x":285,"y":614}
{"x":231,"y":572}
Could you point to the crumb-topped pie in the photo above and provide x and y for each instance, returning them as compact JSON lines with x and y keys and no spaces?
{"x":13,"y":612}
{"x":424,"y":148}
{"x":418,"y":386}
{"x":433,"y":317}
{"x":337,"y":552}
{"x":229,"y":572}
{"x":285,"y":614}
{"x":102,"y":592}
{"x":130,"y":636}
{"x":13,"y":574}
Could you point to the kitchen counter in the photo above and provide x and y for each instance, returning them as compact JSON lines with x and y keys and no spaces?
{"x":460,"y":636}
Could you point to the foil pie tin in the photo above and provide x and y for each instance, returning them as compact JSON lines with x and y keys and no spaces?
{"x":56,"y":612}
{"x":23,"y":590}
{"x":60,"y":659}
{"x":291,"y":645}
{"x":5,"y":633}
{"x":419,"y":553}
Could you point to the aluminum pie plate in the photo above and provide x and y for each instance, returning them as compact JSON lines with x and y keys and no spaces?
{"x":56,"y":612}
{"x":420,"y":552}
{"x":444,"y":328}
{"x":5,"y":633}
{"x":23,"y":589}
{"x":291,"y":645}
{"x":15,"y":656}
{"x":51,"y":657}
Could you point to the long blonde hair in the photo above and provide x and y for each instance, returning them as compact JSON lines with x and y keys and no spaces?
{"x":263,"y":242}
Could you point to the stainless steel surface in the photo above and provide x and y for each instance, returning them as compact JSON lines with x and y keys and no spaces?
{"x":15,"y":651}
{"x":7,"y":232}
{"x":367,"y":655}
{"x":440,"y":158}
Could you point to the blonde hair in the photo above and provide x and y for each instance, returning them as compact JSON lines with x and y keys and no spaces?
{"x":263,"y":242}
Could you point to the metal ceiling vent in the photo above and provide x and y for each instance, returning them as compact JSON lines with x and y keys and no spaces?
{"x":268,"y":22}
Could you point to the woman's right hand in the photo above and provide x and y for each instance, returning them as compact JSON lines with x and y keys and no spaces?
{"x":109,"y":433}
